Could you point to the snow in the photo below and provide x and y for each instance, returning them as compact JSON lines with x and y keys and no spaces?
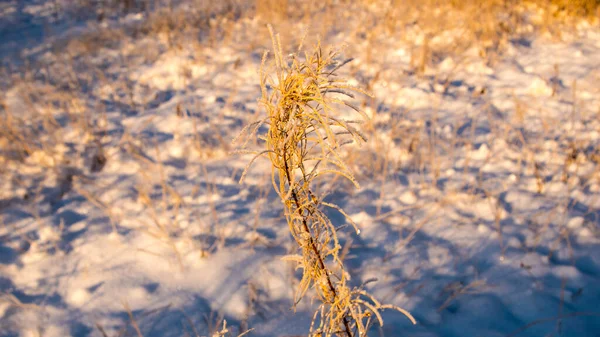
{"x":479,"y":210}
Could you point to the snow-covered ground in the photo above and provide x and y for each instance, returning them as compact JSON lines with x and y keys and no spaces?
{"x":479,"y":205}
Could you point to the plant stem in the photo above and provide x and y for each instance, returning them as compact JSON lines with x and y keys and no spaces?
{"x":311,"y":241}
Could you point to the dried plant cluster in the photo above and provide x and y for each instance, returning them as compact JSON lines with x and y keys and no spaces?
{"x":303,"y":141}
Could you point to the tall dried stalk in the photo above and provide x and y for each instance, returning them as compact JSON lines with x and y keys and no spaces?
{"x":304,"y":137}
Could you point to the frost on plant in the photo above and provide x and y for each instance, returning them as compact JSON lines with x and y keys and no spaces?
{"x":303,"y":141}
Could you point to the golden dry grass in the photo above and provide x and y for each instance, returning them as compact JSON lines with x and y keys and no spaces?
{"x":305,"y":134}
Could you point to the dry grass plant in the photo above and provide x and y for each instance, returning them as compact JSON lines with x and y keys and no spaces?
{"x":303,"y":141}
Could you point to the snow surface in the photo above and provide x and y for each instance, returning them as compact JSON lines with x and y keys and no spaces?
{"x":478,"y":225}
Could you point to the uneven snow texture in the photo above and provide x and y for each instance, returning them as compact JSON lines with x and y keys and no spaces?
{"x":479,"y":208}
